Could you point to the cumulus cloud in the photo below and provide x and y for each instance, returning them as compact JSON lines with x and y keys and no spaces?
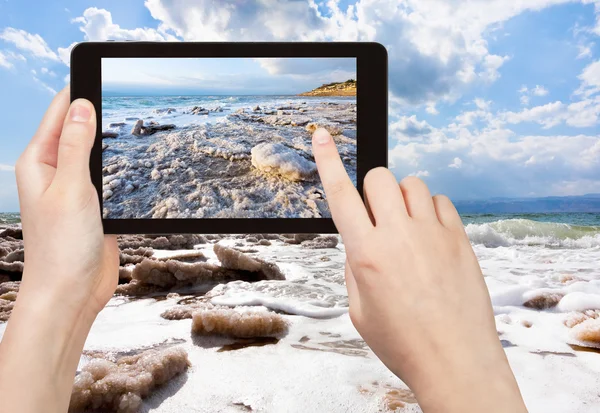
{"x":4,"y":61}
{"x":437,"y":48}
{"x":548,"y":115}
{"x":409,"y":127}
{"x":97,"y":25}
{"x":6,"y":168}
{"x":64,"y":53}
{"x":456,"y":163}
{"x":344,"y":67}
{"x":539,"y":91}
{"x":526,"y":93}
{"x":8,"y":57}
{"x":47,"y":72}
{"x":492,"y":162}
{"x":590,"y":80}
{"x":33,"y":44}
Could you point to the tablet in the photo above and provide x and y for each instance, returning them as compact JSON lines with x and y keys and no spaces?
{"x":216,"y":137}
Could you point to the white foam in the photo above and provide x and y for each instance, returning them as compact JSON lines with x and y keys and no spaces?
{"x":505,"y":233}
{"x":579,"y":301}
{"x":312,"y":309}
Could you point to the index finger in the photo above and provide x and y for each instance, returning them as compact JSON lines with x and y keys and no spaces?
{"x":347,"y":208}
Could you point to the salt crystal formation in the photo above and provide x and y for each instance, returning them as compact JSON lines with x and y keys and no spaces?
{"x":238,"y":324}
{"x":585,"y":327}
{"x":120,"y":387}
{"x":254,"y":162}
{"x":8,"y":296}
{"x":167,"y":242}
{"x":12,"y":253}
{"x":543,"y":300}
{"x":152,"y":276}
{"x":277,"y":159}
{"x":235,"y":260}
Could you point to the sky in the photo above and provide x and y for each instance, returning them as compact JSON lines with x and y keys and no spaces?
{"x":221,"y":76}
{"x":488,"y":98}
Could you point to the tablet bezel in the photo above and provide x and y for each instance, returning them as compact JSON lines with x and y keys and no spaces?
{"x":372,"y":119}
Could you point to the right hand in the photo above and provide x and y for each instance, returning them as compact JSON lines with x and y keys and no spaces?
{"x":417,"y":295}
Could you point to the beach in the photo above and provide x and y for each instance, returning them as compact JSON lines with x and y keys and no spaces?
{"x":228,"y":156}
{"x":543,"y":277}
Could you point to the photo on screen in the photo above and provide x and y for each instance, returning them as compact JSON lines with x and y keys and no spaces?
{"x":222,"y":137}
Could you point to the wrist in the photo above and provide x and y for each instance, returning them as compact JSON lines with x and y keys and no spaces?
{"x":60,"y":324}
{"x":469,"y":384}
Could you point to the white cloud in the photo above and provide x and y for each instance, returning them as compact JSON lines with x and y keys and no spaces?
{"x":4,"y":62}
{"x":431,"y":109}
{"x":495,"y":161}
{"x":548,"y":115}
{"x":581,"y":114}
{"x":7,"y":57}
{"x":64,"y":53}
{"x":67,"y":78}
{"x":526,"y":93}
{"x":539,"y":91}
{"x":97,"y":25}
{"x":456,"y":163}
{"x":482,"y":104}
{"x":590,"y":80}
{"x":437,"y":48}
{"x":44,"y":85}
{"x":420,"y":174}
{"x":409,"y":127}
{"x":6,"y":168}
{"x":30,"y":43}
{"x":47,"y":71}
{"x":585,"y":50}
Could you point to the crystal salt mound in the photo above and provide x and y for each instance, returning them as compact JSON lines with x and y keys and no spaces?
{"x":275,"y":158}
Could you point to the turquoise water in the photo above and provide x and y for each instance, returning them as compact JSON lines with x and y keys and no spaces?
{"x":10,"y":218}
{"x":590,"y":220}
{"x":578,"y":219}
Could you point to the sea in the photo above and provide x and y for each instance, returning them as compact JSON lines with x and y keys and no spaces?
{"x":549,"y":230}
{"x":116,"y":109}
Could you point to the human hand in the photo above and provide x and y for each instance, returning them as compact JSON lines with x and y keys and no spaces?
{"x":71,"y":267}
{"x":417,"y":295}
{"x":69,"y":259}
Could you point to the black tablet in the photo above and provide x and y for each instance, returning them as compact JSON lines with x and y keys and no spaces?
{"x":216,"y":137}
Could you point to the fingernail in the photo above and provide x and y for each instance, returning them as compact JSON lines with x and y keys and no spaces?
{"x":80,"y":113}
{"x":321,"y":136}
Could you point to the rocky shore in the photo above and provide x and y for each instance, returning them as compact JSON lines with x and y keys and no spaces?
{"x":347,"y":88}
{"x":254,"y":162}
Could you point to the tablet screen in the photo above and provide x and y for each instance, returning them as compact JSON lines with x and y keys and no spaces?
{"x":222,"y":137}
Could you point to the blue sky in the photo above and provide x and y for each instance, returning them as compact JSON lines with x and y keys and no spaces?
{"x":487,"y":97}
{"x":228,"y":76}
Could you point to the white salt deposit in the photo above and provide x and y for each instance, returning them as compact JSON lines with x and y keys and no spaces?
{"x":275,"y":158}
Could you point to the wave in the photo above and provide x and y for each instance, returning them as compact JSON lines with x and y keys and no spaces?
{"x":10,"y":217}
{"x":505,"y":233}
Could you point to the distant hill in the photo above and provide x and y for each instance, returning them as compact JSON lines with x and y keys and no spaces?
{"x":347,"y":88}
{"x":554,"y":204}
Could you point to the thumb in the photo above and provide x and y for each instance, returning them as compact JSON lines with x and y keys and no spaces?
{"x":76,"y":142}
